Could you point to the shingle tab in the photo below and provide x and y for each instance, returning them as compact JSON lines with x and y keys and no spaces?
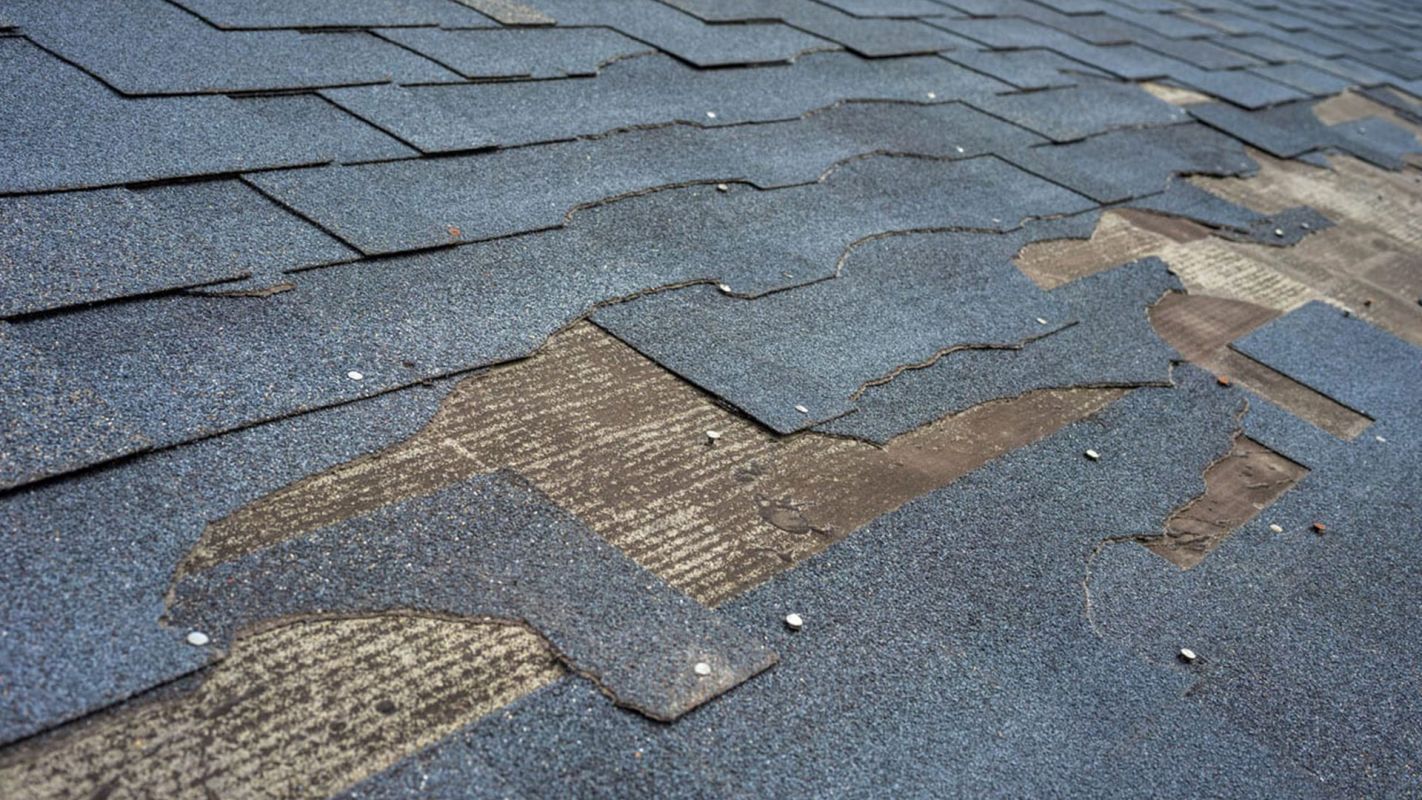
{"x":646,"y":91}
{"x":867,"y":36}
{"x":65,"y":130}
{"x":80,"y":247}
{"x":249,"y":14}
{"x":684,"y":36}
{"x":515,"y":53}
{"x":1075,"y":112}
{"x":147,"y":47}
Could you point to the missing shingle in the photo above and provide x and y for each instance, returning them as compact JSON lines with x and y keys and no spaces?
{"x":1200,"y":328}
{"x":1175,"y":95}
{"x":292,"y":711}
{"x":620,"y":443}
{"x":1237,"y":488}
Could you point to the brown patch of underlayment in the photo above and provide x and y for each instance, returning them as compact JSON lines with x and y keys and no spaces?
{"x":623,"y":445}
{"x":1366,"y":261}
{"x":1237,"y":488}
{"x":303,"y":710}
{"x":1201,"y":327}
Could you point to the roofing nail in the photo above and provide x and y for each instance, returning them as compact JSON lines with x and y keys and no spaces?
{"x":959,"y":149}
{"x":1319,"y":528}
{"x":710,"y":114}
{"x":712,"y":436}
{"x":1304,"y":225}
{"x":198,"y":638}
{"x":355,"y":376}
{"x":932,"y":96}
{"x":793,"y":622}
{"x":1093,"y":455}
{"x":702,"y":668}
{"x":1380,"y":439}
{"x":721,"y":187}
{"x":802,"y":409}
{"x":725,"y":287}
{"x":1223,"y":380}
{"x":1279,"y":232}
{"x":1041,"y":321}
{"x":1276,"y":528}
{"x":1187,"y":655}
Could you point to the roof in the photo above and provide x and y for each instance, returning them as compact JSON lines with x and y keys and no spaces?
{"x":807,"y":398}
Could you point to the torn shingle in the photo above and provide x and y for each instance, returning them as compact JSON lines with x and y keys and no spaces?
{"x":149,"y":47}
{"x":65,"y":130}
{"x":1122,"y":165}
{"x":1110,"y":343}
{"x":1292,"y":130}
{"x":497,"y":194}
{"x":793,"y":348}
{"x":72,"y":248}
{"x":646,"y":91}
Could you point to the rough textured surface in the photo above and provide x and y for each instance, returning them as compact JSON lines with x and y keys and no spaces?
{"x":483,"y":549}
{"x":307,"y":295}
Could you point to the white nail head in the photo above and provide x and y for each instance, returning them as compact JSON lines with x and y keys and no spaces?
{"x":725,"y":287}
{"x":1380,"y":439}
{"x":959,"y":149}
{"x":198,"y":639}
{"x":710,"y":114}
{"x":794,"y":622}
{"x":1093,"y":455}
{"x":932,"y":96}
{"x":802,"y":409}
{"x":1279,"y":232}
{"x":702,"y":668}
{"x":1187,"y":655}
{"x":355,"y":376}
{"x":1041,"y":321}
{"x":721,"y":187}
{"x":712,"y":436}
{"x":1276,"y":528}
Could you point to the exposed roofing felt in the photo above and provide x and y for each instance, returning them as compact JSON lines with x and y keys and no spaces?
{"x":642,"y":398}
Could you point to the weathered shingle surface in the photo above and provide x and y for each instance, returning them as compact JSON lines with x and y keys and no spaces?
{"x":445,"y":397}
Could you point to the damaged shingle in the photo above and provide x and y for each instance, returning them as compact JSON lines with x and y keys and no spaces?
{"x":1110,"y":343}
{"x":647,"y":91}
{"x":526,"y":189}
